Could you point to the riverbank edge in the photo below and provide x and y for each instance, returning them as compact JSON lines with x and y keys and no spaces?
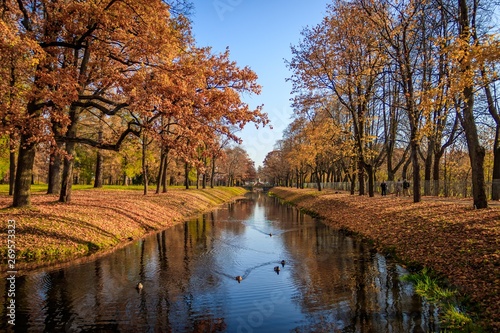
{"x":97,"y":222}
{"x":382,"y":220}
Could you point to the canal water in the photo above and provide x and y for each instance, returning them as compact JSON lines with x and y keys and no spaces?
{"x":328,"y":282}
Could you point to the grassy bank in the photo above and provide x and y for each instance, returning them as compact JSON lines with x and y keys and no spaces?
{"x":460,"y":244}
{"x":98,"y":220}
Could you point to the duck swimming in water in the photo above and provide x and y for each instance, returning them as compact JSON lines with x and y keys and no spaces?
{"x":283,"y":263}
{"x":239,"y":278}
{"x":139,"y":286}
{"x":277,"y":268}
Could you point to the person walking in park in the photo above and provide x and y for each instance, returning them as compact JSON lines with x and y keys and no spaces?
{"x":406,"y":188}
{"x":399,"y":187}
{"x":383,"y":187}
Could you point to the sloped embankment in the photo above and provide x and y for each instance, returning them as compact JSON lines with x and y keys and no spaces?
{"x":451,"y":238}
{"x":98,"y":220}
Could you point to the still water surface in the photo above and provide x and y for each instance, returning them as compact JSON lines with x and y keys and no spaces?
{"x":328,"y":283}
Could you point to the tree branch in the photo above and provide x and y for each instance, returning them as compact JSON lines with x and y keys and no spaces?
{"x":61,"y":44}
{"x":106,"y":146}
{"x":26,"y":20}
{"x":101,"y":108}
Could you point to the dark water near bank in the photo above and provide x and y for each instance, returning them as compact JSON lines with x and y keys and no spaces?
{"x":329,"y":283}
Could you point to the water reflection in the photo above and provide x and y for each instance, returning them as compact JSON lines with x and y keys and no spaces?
{"x":327,"y":283}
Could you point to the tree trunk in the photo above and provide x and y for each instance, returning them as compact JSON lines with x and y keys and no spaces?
{"x":298,"y":178}
{"x":197,"y":178}
{"x":371,"y":179}
{"x":67,"y":176}
{"x":495,"y":186}
{"x":99,"y":161}
{"x":164,"y":179}
{"x":361,"y":174}
{"x":428,"y":168}
{"x":12,"y":167}
{"x":25,"y":162}
{"x":54,"y":183}
{"x":212,"y":177}
{"x":404,"y":172}
{"x":186,"y":175}
{"x":417,"y":195}
{"x":24,"y":173}
{"x":144,"y":164}
{"x":98,"y":170}
{"x":318,"y":178}
{"x":204,"y":176}
{"x":161,"y":172}
{"x":476,"y":151}
{"x":435,"y":172}
{"x":353,"y":184}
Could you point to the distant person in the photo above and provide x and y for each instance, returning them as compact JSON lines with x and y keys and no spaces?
{"x":399,"y":187}
{"x":383,"y":187}
{"x":406,"y":188}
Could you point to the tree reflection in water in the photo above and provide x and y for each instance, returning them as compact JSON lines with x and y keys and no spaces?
{"x":330,"y":282}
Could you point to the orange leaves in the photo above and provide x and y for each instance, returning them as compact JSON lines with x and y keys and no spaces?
{"x":201,"y":102}
{"x":53,"y":231}
{"x":64,"y":62}
{"x":448,"y":237}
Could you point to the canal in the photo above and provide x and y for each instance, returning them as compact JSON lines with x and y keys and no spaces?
{"x":327,"y":282}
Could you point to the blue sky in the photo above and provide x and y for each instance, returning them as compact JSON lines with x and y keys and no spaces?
{"x":259,"y":34}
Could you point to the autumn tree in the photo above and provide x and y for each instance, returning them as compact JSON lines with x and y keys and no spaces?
{"x":408,"y":78}
{"x":295,"y":153}
{"x":236,"y":165}
{"x":19,"y":57}
{"x":402,"y":28}
{"x":464,"y":62}
{"x":272,"y":167}
{"x":487,"y":58}
{"x":340,"y":57}
{"x":133,"y":61}
{"x":85,"y":54}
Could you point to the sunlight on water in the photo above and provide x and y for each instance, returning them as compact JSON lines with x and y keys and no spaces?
{"x":328,"y":282}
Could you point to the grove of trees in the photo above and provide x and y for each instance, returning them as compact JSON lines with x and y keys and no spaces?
{"x":385,"y":89}
{"x":118,"y":85}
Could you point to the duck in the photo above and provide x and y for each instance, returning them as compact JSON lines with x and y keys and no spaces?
{"x":277,"y":268}
{"x":139,"y":286}
{"x":283,"y":263}
{"x":239,"y":278}
{"x":270,"y":235}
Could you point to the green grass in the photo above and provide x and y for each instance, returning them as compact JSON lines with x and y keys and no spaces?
{"x":456,"y":321}
{"x":429,"y":287}
{"x":42,"y":188}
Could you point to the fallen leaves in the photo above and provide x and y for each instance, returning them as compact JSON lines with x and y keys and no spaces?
{"x":99,"y":219}
{"x":449,"y":237}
